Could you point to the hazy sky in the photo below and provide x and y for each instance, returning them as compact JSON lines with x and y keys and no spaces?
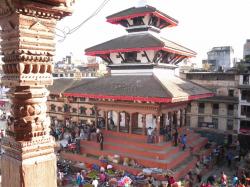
{"x":203,"y":24}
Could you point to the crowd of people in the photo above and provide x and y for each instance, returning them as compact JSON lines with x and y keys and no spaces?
{"x":228,"y":155}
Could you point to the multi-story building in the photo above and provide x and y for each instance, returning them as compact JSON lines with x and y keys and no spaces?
{"x":246,"y":50}
{"x":221,"y":58}
{"x":62,"y":109}
{"x":86,"y":70}
{"x":67,"y":73}
{"x":220,"y":112}
{"x":244,"y":104}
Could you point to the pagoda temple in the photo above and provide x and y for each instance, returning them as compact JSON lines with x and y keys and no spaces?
{"x":28,"y":47}
{"x":141,"y":91}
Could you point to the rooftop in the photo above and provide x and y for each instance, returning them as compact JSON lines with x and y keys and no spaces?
{"x":138,"y":42}
{"x":153,"y":88}
{"x":140,"y":11}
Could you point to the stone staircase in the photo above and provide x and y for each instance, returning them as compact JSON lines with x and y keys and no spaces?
{"x":161,"y":155}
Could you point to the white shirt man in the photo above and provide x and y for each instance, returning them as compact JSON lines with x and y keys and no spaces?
{"x":95,"y":183}
{"x":150,"y":131}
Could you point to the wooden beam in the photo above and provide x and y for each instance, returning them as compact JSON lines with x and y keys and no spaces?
{"x":146,"y":56}
{"x":180,"y":59}
{"x":120,"y":55}
{"x":165,"y":58}
{"x":108,"y":56}
{"x":150,"y":20}
{"x":160,"y":57}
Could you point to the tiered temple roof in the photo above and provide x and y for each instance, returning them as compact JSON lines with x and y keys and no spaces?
{"x":148,"y":88}
{"x":134,"y":78}
{"x":139,"y":42}
{"x":141,"y":11}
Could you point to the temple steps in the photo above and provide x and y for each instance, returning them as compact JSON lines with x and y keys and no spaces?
{"x":141,"y":141}
{"x":167,"y":158}
{"x":160,"y":155}
{"x":184,"y":167}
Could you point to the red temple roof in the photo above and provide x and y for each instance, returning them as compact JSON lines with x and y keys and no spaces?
{"x":140,"y":11}
{"x":138,"y":42}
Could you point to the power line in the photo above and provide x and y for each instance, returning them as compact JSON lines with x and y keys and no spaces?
{"x":71,"y":31}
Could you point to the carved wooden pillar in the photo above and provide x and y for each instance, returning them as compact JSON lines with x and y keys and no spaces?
{"x":184,"y":117}
{"x":106,"y":119}
{"x":178,"y":117}
{"x":130,"y":123}
{"x":96,"y":116}
{"x":28,"y":47}
{"x":118,"y":121}
{"x":175,"y":119}
{"x":181,"y":117}
{"x":144,"y":131}
{"x":158,"y":122}
{"x":171,"y":121}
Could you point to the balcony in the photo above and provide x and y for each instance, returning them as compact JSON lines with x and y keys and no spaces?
{"x":215,"y":111}
{"x":230,"y":113}
{"x":245,"y":95}
{"x":245,"y":80}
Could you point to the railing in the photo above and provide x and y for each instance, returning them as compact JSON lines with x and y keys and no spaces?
{"x":230,"y":112}
{"x":215,"y":111}
{"x":246,"y":114}
{"x":245,"y":82}
{"x":201,"y":110}
{"x":245,"y":98}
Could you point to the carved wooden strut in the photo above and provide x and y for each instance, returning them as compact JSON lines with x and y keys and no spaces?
{"x":28,"y":47}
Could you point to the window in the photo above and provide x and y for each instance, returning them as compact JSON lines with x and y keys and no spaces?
{"x":245,"y":95}
{"x":230,"y":110}
{"x":138,"y":21}
{"x":215,"y":109}
{"x":74,"y":99}
{"x":189,"y":107}
{"x":215,"y":122}
{"x":82,"y":99}
{"x":82,"y":110}
{"x":188,"y":120}
{"x":92,"y":111}
{"x":52,"y":97}
{"x":74,"y":110}
{"x":231,"y":92}
{"x":245,"y":111}
{"x":83,"y":122}
{"x":201,"y":108}
{"x":53,"y":107}
{"x":245,"y":79}
{"x":200,"y":121}
{"x":131,"y":57}
{"x":230,"y":124}
{"x":59,"y":109}
{"x":66,"y":108}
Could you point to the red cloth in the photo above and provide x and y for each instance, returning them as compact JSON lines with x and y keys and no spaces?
{"x":171,"y":180}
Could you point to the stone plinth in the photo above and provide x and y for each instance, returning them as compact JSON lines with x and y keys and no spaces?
{"x":28,"y":47}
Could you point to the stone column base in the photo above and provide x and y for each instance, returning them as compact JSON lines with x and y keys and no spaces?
{"x":32,"y":172}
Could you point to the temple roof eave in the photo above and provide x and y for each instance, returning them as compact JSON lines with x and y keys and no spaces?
{"x":144,"y":88}
{"x":138,"y":42}
{"x":168,"y":49}
{"x":140,"y":11}
{"x":139,"y":98}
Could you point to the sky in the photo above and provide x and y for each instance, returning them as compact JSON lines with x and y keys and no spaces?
{"x":203,"y":24}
